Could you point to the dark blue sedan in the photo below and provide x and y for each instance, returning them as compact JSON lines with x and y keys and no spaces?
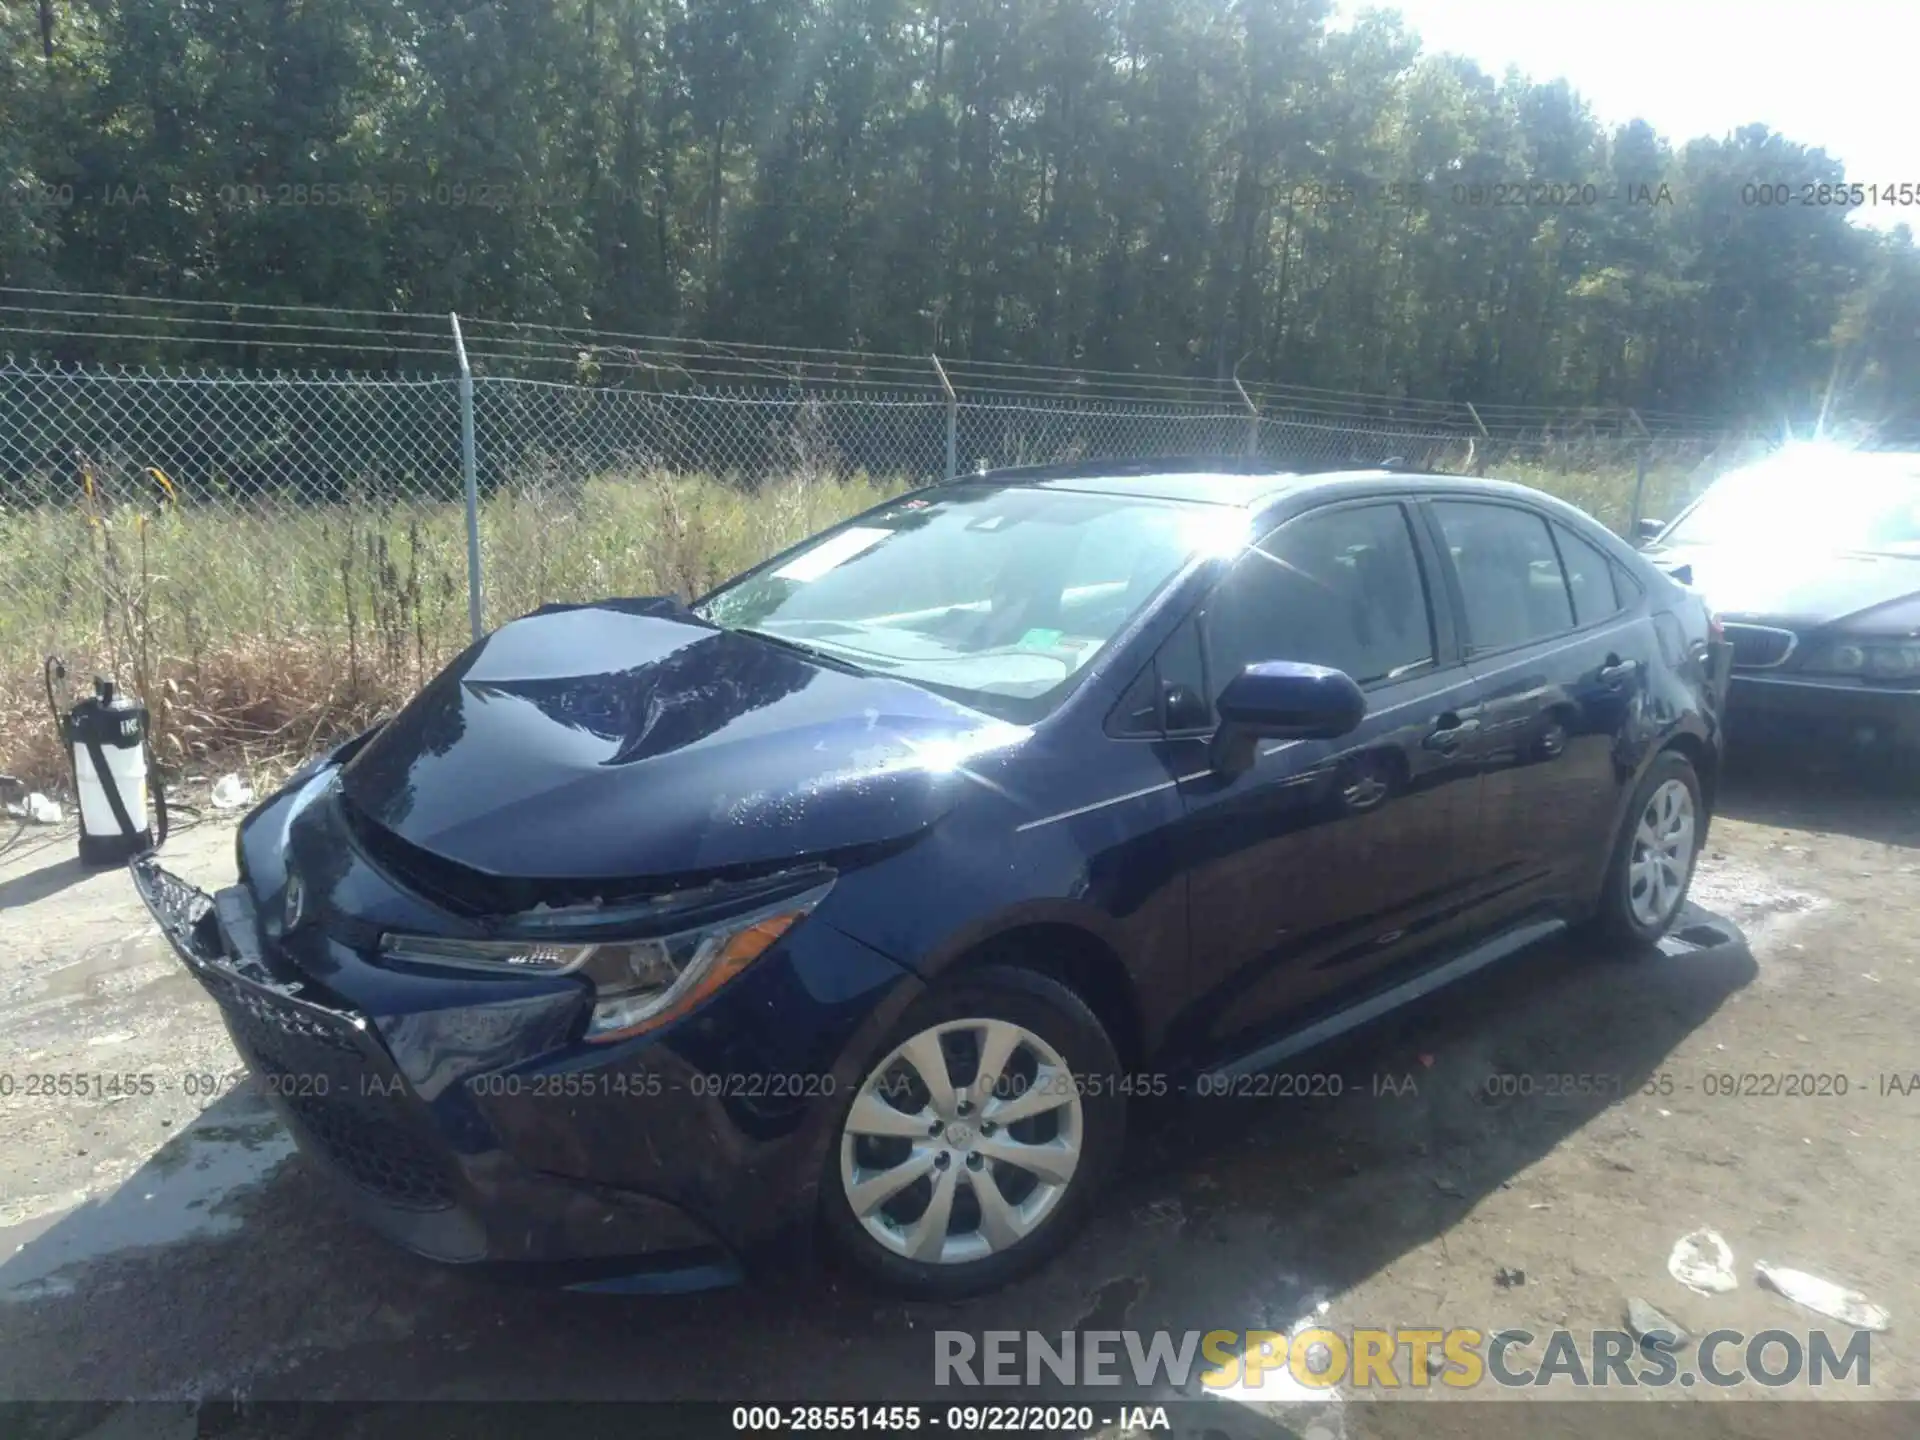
{"x":859,"y":899}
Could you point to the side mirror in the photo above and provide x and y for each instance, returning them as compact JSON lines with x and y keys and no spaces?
{"x":1283,"y":700}
{"x":1647,"y":528}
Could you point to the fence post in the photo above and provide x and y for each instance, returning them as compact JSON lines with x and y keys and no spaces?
{"x":1477,"y":462}
{"x":953,"y":416}
{"x":1639,"y":476}
{"x":468,"y":473}
{"x":1253,"y":411}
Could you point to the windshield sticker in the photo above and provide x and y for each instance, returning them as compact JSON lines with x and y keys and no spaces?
{"x":1040,"y":639}
{"x":830,"y":554}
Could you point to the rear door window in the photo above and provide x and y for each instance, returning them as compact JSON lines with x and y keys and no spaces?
{"x":1510,"y":577}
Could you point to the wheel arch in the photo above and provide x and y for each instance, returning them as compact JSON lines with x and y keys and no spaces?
{"x":1701,"y":756}
{"x":1700,"y":753}
{"x":1076,"y":955}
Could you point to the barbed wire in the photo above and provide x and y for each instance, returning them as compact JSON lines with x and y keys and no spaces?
{"x":92,"y":324}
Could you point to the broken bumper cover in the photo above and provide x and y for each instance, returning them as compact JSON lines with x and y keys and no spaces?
{"x":327,"y":1073}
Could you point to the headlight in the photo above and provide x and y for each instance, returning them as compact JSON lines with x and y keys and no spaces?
{"x":639,"y":984}
{"x":1874,"y":659}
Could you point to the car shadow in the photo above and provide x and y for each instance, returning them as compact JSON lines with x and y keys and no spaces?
{"x":1441,"y":1104}
{"x":223,"y":1266}
{"x":1228,"y":1213}
{"x":180,"y":1193}
{"x":1866,"y":798}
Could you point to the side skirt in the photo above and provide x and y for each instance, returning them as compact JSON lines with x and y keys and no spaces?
{"x":1330,"y":1027}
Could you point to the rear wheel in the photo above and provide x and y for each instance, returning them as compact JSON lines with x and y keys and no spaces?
{"x":977,"y":1141}
{"x":1653,"y":858}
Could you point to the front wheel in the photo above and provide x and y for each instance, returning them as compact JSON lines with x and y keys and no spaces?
{"x":1653,"y":857}
{"x":978,"y":1139}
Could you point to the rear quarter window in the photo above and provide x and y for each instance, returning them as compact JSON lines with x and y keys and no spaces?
{"x":1589,"y":574}
{"x":1627,"y":588}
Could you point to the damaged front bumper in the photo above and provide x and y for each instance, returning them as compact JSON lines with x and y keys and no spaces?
{"x":449,"y":1194}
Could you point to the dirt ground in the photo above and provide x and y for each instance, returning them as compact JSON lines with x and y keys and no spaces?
{"x":170,"y":1246}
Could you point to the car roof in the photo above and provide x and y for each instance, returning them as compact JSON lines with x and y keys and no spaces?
{"x":1244,"y":484}
{"x":1204,"y":481}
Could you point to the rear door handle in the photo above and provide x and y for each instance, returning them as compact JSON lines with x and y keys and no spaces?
{"x":1448,"y":732}
{"x":1616,"y":672}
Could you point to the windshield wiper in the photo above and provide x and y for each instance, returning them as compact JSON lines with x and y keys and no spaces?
{"x":800,"y":647}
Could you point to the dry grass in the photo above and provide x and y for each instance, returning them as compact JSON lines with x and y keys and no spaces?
{"x":258,"y":631}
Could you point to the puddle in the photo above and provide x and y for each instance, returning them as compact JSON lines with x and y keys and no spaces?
{"x":180,"y":1194}
{"x":1266,"y":1385}
{"x":104,"y":972}
{"x":1747,"y":896}
{"x":100,"y":974}
{"x":1750,"y":904}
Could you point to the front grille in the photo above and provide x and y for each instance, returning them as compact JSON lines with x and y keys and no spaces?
{"x":380,"y":1155}
{"x":353,"y":1110}
{"x":185,"y":912}
{"x":1760,"y":647}
{"x":339,"y":1086}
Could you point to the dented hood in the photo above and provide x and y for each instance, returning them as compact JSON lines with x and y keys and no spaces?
{"x":630,"y":739}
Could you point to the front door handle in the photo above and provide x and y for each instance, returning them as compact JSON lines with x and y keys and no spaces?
{"x":1448,"y":732}
{"x":1616,"y":672}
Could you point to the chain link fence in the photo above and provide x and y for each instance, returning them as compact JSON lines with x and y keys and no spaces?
{"x":269,"y":559}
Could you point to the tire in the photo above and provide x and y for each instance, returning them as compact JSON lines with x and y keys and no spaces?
{"x":1627,"y":915}
{"x":1060,"y":1067}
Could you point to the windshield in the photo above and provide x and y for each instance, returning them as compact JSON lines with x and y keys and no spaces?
{"x":1835,"y":502}
{"x":999,"y":596}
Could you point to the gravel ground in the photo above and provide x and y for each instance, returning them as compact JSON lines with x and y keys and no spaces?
{"x":170,"y":1245}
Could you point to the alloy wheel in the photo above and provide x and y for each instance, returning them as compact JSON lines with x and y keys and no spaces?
{"x":1662,"y":856}
{"x":962,"y":1141}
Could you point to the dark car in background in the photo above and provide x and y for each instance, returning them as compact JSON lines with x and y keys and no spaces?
{"x":648,"y":943}
{"x":1811,"y":559}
